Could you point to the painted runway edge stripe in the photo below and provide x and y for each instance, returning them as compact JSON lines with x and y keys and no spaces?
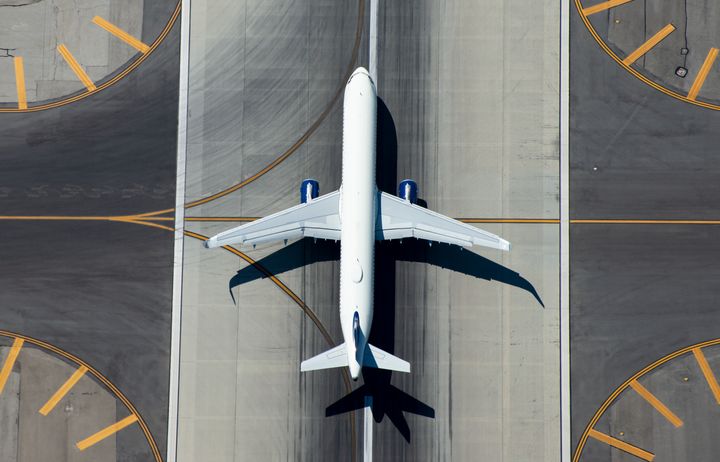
{"x":10,"y":362}
{"x":121,"y":34}
{"x":106,"y":432}
{"x":622,"y":445}
{"x":63,"y":390}
{"x":656,"y":403}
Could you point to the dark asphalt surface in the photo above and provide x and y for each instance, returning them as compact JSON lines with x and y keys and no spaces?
{"x":99,"y":290}
{"x":637,"y":292}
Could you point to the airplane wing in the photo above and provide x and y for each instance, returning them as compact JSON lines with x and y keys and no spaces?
{"x":317,"y":218}
{"x":399,"y":219}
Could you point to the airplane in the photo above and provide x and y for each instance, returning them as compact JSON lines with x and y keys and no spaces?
{"x":357,"y":215}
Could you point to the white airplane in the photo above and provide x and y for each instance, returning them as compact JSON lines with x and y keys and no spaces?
{"x":357,"y":215}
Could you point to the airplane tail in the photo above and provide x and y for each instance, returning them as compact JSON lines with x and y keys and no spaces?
{"x":379,"y":359}
{"x":335,"y":357}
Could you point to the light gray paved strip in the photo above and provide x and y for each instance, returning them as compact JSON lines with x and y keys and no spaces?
{"x":368,"y":431}
{"x":179,"y":236}
{"x":564,"y":231}
{"x":373,"y":40}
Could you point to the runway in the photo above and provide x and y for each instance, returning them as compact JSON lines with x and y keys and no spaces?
{"x":484,"y":351}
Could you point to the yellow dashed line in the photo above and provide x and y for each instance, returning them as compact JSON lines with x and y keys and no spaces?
{"x":63,"y":390}
{"x":702,"y":75}
{"x":603,"y":6}
{"x":20,"y":82}
{"x":76,"y":68}
{"x":105,"y":432}
{"x":649,"y":45}
{"x":656,"y":403}
{"x":622,"y":445}
{"x":10,"y":362}
{"x":121,"y":34}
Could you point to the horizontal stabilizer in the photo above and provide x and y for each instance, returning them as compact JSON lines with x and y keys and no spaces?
{"x":379,"y":359}
{"x":336,"y":357}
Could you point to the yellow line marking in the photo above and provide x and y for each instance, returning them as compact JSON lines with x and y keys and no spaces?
{"x":650,"y":44}
{"x":621,"y":445}
{"x":63,"y":390}
{"x":647,"y":222}
{"x":108,"y":431}
{"x":702,"y":75}
{"x":20,"y":82}
{"x":707,"y":372}
{"x":10,"y":362}
{"x":75,"y":66}
{"x":603,"y":6}
{"x":121,"y":34}
{"x":656,"y":403}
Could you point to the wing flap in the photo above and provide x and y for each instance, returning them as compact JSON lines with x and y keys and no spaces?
{"x":400,"y":219}
{"x":379,"y":359}
{"x":319,"y":218}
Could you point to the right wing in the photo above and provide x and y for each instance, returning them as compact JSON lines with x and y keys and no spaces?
{"x":317,"y":218}
{"x":399,"y":218}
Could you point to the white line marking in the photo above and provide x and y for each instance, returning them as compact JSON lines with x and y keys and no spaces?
{"x":565,"y":455}
{"x":174,"y":395}
{"x":373,"y":40}
{"x":368,"y":431}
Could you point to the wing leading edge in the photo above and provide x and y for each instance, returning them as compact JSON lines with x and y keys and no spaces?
{"x":318,"y":218}
{"x":399,"y":219}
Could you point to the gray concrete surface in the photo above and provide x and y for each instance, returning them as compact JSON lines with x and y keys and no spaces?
{"x":628,"y":26}
{"x":99,"y":290}
{"x":85,"y":410}
{"x":637,"y":292}
{"x":681,"y":386}
{"x":33,"y":30}
{"x":485,"y":355}
{"x":9,"y":415}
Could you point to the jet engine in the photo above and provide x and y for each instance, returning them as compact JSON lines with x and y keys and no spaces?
{"x":309,"y":190}
{"x":408,"y":190}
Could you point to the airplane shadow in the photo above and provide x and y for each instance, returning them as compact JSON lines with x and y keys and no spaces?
{"x":387,"y":400}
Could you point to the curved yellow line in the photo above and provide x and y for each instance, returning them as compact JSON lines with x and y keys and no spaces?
{"x":637,"y":74}
{"x":626,"y":384}
{"x":114,"y":80}
{"x":98,"y":376}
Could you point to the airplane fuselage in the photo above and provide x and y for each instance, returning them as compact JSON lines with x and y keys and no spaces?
{"x":357,"y":216}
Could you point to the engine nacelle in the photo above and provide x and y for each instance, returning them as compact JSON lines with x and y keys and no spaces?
{"x":408,"y":190}
{"x":309,"y":190}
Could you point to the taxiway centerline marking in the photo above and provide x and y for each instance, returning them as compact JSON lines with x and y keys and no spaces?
{"x":76,"y":68}
{"x":707,"y":372}
{"x":20,"y":82}
{"x":63,"y":390}
{"x":702,"y":75}
{"x":656,"y":403}
{"x":121,"y":34}
{"x":105,"y":432}
{"x":10,"y":362}
{"x":603,"y":6}
{"x":621,"y":445}
{"x":649,"y":45}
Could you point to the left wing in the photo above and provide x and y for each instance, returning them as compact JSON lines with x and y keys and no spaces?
{"x":317,"y":218}
{"x":398,"y":218}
